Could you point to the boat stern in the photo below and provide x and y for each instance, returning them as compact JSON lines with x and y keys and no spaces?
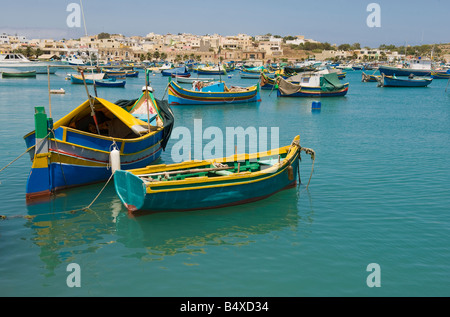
{"x":130,"y":189}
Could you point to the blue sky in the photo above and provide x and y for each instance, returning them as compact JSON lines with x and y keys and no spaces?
{"x":335,"y":21}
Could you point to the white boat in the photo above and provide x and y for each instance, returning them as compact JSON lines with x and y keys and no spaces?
{"x":76,"y":61}
{"x":190,"y":80}
{"x":15,"y":61}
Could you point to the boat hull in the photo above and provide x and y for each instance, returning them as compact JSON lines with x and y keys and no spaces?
{"x":68,"y":156}
{"x":316,"y":92}
{"x":205,"y":192}
{"x":82,"y":159}
{"x":180,"y":96}
{"x":26,"y":74}
{"x":389,"y":81}
{"x":440,"y":75}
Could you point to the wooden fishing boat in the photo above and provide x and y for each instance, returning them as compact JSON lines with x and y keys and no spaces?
{"x":131,"y":73}
{"x":392,"y":81}
{"x":211,"y":70}
{"x":99,"y":80}
{"x":78,"y":148}
{"x":176,"y":70}
{"x":440,"y":74}
{"x":186,"y":75}
{"x":190,"y":80}
{"x":211,"y":94}
{"x":19,"y":74}
{"x":115,"y":73}
{"x":215,"y":183}
{"x":266,"y":82}
{"x":311,"y":85}
{"x":417,"y":67}
{"x":369,"y":78}
{"x":110,"y":82}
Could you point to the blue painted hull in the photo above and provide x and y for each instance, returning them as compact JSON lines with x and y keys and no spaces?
{"x":396,"y":82}
{"x":181,"y":96}
{"x":175,"y":71}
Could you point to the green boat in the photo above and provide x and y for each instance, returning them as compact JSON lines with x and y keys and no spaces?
{"x":31,"y":73}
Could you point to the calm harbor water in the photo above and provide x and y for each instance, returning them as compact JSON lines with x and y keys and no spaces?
{"x":379,"y":194}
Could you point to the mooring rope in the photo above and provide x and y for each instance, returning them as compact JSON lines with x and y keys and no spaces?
{"x":28,"y":150}
{"x":85,"y":209}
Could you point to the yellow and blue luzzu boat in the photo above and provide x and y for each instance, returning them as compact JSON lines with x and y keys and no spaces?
{"x":76,"y":149}
{"x":211,"y":94}
{"x":215,"y":183}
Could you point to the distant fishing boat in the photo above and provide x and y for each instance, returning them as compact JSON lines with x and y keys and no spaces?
{"x":187,"y":75}
{"x":190,"y":80}
{"x":311,"y":85}
{"x":31,"y":73}
{"x":369,"y":78}
{"x":254,"y":72}
{"x":440,"y":74}
{"x":215,"y":183}
{"x":417,"y":67}
{"x":266,"y":82}
{"x":14,"y":62}
{"x":80,"y":148}
{"x":211,"y":94}
{"x":182,"y":70}
{"x":211,"y":70}
{"x":99,"y":80}
{"x":392,"y":81}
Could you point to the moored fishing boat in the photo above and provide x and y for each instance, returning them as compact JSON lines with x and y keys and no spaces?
{"x":215,"y":183}
{"x":190,"y":80}
{"x":78,"y":148}
{"x":311,"y":85}
{"x":30,"y":73}
{"x":369,"y":78}
{"x":416,"y":67}
{"x":267,"y":83}
{"x":440,"y":74}
{"x":211,"y":94}
{"x":211,"y":70}
{"x":14,"y":62}
{"x":98,"y":79}
{"x":182,"y":70}
{"x":392,"y":81}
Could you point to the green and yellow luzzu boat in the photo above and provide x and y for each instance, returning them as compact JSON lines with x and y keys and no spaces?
{"x":194,"y":185}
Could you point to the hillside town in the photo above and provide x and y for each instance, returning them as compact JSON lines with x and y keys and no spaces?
{"x":209,"y":48}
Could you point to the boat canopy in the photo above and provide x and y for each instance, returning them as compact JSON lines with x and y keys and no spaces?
{"x":105,"y":111}
{"x":330,"y":82}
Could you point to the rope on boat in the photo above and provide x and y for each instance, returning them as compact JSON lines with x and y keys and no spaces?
{"x":28,"y":150}
{"x":308,"y":151}
{"x":84,"y":209}
{"x":104,"y":186}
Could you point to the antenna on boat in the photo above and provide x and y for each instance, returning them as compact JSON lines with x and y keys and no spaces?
{"x":89,"y":53}
{"x":49,"y":92}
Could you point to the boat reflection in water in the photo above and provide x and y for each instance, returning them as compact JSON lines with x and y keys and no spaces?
{"x":64,"y":229}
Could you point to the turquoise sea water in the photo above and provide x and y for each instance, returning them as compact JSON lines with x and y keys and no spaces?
{"x":379,"y":194}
